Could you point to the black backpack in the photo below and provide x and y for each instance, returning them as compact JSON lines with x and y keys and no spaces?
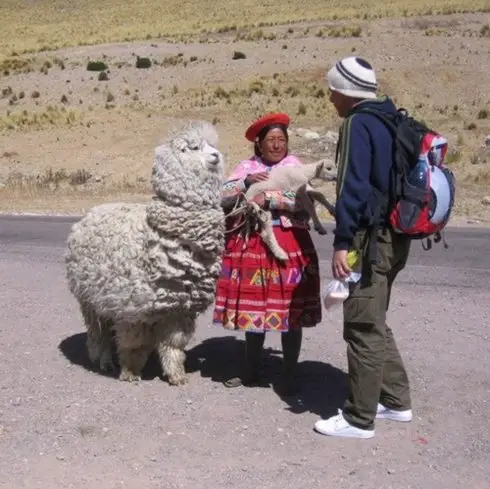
{"x":422,"y":188}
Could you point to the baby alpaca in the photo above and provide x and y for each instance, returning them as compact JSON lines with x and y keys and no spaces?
{"x":293,"y":178}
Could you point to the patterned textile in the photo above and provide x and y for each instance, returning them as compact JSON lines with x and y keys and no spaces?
{"x":256,"y":292}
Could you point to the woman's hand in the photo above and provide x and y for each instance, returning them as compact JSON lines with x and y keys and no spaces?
{"x":256,"y":177}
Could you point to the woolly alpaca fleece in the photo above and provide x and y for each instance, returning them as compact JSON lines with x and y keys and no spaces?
{"x":145,"y":271}
{"x":295,"y":178}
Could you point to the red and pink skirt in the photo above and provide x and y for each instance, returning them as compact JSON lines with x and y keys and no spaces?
{"x":256,"y":292}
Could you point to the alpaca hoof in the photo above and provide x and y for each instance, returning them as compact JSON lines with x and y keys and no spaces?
{"x":178,"y":380}
{"x":321,"y":230}
{"x":93,"y":355}
{"x":107,"y":366}
{"x":126,"y":376}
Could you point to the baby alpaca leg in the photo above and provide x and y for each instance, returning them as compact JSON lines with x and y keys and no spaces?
{"x":171,"y":351}
{"x":319,"y":197}
{"x":268,"y":236}
{"x":310,"y":208}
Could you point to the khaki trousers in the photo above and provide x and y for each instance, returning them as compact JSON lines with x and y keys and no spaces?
{"x":376,"y":369}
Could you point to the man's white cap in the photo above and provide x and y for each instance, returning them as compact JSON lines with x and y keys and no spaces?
{"x":353,"y":77}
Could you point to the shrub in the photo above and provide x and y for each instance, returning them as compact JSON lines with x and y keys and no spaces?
{"x":239,"y":55}
{"x":483,"y":114}
{"x":96,"y":66}
{"x":143,"y":62}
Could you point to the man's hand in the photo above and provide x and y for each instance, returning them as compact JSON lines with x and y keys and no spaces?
{"x":340,"y":269}
{"x":256,"y":177}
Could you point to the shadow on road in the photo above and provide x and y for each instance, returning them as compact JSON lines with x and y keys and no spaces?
{"x":323,"y":387}
{"x":75,"y":351}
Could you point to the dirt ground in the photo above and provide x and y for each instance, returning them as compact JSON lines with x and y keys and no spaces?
{"x":65,"y":426}
{"x":68,"y":140}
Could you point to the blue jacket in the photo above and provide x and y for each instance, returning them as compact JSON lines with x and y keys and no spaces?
{"x":365,"y":159}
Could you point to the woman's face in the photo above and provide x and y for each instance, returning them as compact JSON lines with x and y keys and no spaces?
{"x":274,"y":146}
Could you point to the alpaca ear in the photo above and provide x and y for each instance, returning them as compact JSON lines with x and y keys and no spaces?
{"x":181,"y":145}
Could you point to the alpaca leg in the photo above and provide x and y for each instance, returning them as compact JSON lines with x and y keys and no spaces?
{"x":171,"y":350}
{"x":310,"y":208}
{"x":132,"y":349}
{"x":106,"y":363}
{"x":99,"y":346}
{"x":173,"y":364}
{"x":93,"y":333}
{"x":93,"y":343}
{"x":132,"y":362}
{"x":268,"y":236}
{"x":319,"y":197}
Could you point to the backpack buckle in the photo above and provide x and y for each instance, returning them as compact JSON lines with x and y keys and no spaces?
{"x":429,"y":244}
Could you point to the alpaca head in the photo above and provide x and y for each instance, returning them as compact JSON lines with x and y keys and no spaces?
{"x":188,"y":168}
{"x":324,"y":170}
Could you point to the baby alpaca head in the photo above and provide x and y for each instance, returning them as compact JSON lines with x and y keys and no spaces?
{"x":188,"y":168}
{"x":325,"y":170}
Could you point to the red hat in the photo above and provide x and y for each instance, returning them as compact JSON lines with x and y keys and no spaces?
{"x":266,"y":120}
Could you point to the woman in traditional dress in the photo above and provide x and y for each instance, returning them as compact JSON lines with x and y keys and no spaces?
{"x":255,"y":292}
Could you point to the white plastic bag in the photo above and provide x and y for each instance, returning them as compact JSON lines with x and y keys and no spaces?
{"x":336,"y":291}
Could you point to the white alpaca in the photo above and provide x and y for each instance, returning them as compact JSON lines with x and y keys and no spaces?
{"x":145,"y":271}
{"x":297,"y":179}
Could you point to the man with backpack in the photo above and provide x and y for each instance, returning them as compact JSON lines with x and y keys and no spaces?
{"x":378,"y":382}
{"x":393,"y":187}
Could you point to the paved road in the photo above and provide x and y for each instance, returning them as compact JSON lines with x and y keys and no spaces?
{"x":63,"y":425}
{"x":467,"y":252}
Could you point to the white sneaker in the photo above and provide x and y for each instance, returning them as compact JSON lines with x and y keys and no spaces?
{"x":338,"y":426}
{"x":386,"y":413}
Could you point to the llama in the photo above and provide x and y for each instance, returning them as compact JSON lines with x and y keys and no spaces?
{"x":144,"y":272}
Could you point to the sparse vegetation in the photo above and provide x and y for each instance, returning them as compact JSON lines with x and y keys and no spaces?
{"x":485,"y":31}
{"x":96,"y":66}
{"x":25,"y":120}
{"x":143,"y":62}
{"x":124,"y":103}
{"x":13,"y":65}
{"x":483,"y":114}
{"x":46,"y":21}
{"x":255,"y":35}
{"x":239,"y":55}
{"x":345,"y":31}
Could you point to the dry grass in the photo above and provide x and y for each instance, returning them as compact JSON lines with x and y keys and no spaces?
{"x":72,"y":137}
{"x":301,"y":94}
{"x":46,"y":24}
{"x":49,"y":117}
{"x":71,"y":191}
